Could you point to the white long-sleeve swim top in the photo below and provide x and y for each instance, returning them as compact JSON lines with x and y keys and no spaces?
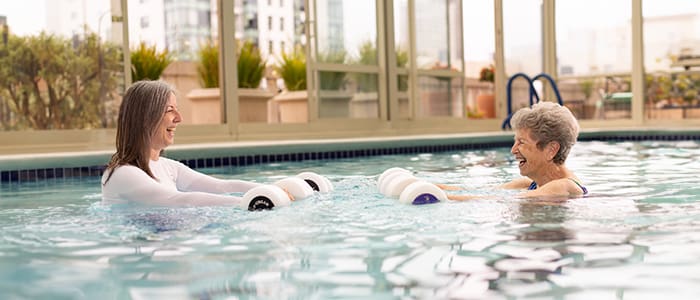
{"x":176,"y":185}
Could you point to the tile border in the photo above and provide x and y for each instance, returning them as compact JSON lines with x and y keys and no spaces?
{"x":76,"y":165}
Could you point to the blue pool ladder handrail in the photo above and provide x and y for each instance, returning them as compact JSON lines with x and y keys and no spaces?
{"x":533,"y":93}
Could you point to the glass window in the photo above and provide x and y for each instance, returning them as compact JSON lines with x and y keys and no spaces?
{"x":522,"y":22}
{"x":184,"y":33}
{"x":438,"y":49}
{"x":479,"y":51}
{"x":269,"y":23}
{"x":672,"y":59}
{"x":144,"y":22}
{"x":438,"y":31}
{"x":285,"y":78}
{"x":440,"y":96}
{"x":204,"y":18}
{"x":344,"y":31}
{"x":90,"y":48}
{"x":594,"y":58}
{"x":346,"y":36}
{"x":348,"y":95}
{"x":431,"y":34}
{"x":402,"y":44}
{"x":522,"y":39}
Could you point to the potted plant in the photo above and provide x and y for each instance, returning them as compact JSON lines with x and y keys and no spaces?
{"x":485,"y":103}
{"x":292,"y":68}
{"x":251,"y":66}
{"x":208,"y":65}
{"x":252,"y":102}
{"x":147,"y":63}
{"x":291,"y":106}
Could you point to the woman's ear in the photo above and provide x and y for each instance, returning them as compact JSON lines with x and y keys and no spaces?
{"x":552,"y":150}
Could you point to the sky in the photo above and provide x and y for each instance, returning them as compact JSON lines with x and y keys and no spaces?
{"x":29,"y":16}
{"x":25,"y":16}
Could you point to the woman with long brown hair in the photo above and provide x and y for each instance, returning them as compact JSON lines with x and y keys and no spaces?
{"x":137,"y":173}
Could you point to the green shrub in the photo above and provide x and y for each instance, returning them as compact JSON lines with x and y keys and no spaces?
{"x":208,"y":66}
{"x":250,"y":66}
{"x":147,"y":63}
{"x":292,"y":68}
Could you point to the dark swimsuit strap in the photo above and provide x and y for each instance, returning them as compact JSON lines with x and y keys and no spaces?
{"x":583,"y":188}
{"x":533,"y":186}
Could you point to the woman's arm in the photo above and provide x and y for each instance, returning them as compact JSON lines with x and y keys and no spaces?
{"x":131,"y":184}
{"x":191,"y":180}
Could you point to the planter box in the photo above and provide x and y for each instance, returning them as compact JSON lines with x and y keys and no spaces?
{"x":665,"y":113}
{"x":252,"y":104}
{"x":206,"y":105}
{"x":289,"y":107}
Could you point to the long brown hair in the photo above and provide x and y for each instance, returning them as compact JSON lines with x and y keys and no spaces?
{"x":142,"y":108}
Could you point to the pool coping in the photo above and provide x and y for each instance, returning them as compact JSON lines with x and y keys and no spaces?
{"x":23,"y":167}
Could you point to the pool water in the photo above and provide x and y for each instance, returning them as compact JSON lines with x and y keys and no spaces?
{"x":637,"y":236}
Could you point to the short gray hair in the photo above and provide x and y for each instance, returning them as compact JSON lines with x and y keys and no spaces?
{"x":549,"y":122}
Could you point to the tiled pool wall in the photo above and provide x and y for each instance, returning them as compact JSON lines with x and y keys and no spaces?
{"x":339,"y":151}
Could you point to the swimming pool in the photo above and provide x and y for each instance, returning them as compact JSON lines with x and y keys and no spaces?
{"x":635,"y":237}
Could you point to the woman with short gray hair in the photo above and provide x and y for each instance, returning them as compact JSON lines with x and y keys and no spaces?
{"x":544,"y":135}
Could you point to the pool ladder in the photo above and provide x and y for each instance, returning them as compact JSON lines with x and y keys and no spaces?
{"x":533,"y":93}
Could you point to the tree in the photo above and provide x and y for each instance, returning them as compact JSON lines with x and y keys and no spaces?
{"x":51,"y":82}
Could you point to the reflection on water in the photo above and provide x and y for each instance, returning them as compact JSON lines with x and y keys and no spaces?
{"x":635,"y":237}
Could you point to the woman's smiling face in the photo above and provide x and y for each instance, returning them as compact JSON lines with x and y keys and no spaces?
{"x":530,"y":157}
{"x":164,"y":135}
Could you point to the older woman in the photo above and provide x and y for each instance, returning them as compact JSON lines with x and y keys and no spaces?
{"x":148,"y":118}
{"x":544,"y":135}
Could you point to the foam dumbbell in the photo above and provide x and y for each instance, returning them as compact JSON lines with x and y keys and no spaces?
{"x":265,"y":197}
{"x":317,"y":182}
{"x":399,"y":182}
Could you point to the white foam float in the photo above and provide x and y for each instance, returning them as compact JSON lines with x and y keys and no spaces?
{"x":265,"y":197}
{"x":316,"y":182}
{"x":394,"y":187}
{"x":422,"y":192}
{"x":389,"y":171}
{"x":384,"y":184}
{"x":295,"y":186}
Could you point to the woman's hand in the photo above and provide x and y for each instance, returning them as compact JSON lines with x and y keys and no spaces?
{"x":447,"y":187}
{"x":291,"y":197}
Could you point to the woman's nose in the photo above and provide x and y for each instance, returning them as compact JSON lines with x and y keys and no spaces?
{"x":178,"y":117}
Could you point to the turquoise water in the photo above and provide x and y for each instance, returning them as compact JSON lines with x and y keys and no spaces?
{"x":635,"y":237}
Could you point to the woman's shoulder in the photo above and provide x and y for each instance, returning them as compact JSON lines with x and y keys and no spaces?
{"x":169,"y":161}
{"x":571,"y":184}
{"x":121,"y":171}
{"x":518,"y":183}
